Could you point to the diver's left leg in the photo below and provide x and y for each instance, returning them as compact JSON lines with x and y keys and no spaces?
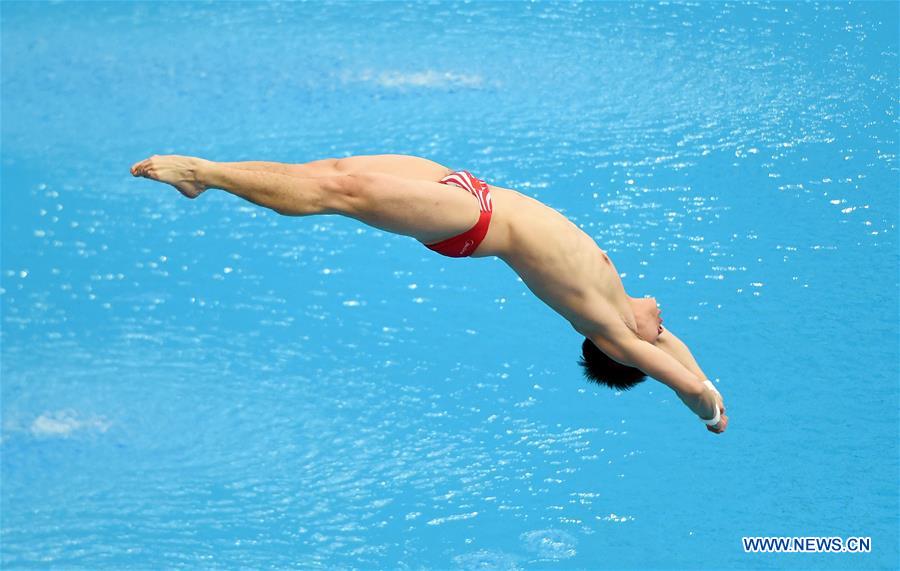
{"x":425,"y":210}
{"x":284,"y":194}
{"x":321,"y":167}
{"x":404,"y":166}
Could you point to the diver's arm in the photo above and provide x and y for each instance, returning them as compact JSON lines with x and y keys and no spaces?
{"x":671,"y":344}
{"x":635,"y":352}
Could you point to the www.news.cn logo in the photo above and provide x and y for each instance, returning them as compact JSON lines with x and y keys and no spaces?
{"x":807,"y":544}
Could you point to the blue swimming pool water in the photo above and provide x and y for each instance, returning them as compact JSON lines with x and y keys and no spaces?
{"x":209,"y":385}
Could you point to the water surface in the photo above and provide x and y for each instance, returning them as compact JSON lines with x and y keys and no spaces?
{"x":208,"y":385}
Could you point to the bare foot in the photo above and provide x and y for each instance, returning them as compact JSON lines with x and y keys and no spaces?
{"x":177,"y":170}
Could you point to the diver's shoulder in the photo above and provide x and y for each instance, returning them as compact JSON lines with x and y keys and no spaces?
{"x":599,"y":317}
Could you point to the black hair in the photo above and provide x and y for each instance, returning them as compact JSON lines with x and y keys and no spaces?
{"x":603,"y":370}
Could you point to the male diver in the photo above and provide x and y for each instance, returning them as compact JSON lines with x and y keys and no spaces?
{"x":459,"y":215}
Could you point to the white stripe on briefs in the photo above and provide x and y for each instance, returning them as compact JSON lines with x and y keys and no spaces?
{"x":466,"y":182}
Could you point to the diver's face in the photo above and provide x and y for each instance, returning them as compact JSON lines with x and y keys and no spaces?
{"x":647,"y":317}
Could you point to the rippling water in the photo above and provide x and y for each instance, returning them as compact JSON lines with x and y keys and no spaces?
{"x":207,"y":384}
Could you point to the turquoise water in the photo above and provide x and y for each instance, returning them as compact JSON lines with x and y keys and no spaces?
{"x":205,"y":384}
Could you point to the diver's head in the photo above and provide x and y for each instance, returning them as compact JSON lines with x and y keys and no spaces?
{"x":647,"y":317}
{"x":603,"y":370}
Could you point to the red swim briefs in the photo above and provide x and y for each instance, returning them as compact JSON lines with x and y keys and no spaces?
{"x":464,"y":244}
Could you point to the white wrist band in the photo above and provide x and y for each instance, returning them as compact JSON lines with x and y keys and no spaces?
{"x":714,"y":420}
{"x":709,"y":384}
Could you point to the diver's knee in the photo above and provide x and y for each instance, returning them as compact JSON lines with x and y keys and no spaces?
{"x":346,"y":194}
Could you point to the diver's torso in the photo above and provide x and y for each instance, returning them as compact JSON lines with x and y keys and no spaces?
{"x":559,"y":262}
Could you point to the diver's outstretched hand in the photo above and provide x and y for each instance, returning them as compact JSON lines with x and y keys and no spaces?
{"x":723,"y":423}
{"x":719,"y":428}
{"x":720,"y":402}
